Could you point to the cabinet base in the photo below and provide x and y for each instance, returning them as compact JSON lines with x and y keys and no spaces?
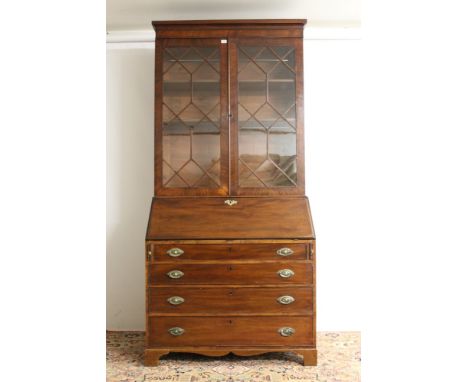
{"x":152,"y":356}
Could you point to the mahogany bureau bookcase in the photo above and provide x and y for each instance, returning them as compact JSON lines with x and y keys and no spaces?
{"x":230,"y":244}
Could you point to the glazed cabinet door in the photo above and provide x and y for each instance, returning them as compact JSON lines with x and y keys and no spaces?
{"x":266,"y":101}
{"x":191,"y":117}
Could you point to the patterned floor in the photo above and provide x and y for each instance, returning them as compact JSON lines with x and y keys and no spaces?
{"x":339,"y":360}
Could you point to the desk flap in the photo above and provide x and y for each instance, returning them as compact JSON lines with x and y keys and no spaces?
{"x":213,"y":218}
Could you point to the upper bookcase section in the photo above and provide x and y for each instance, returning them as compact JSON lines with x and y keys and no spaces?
{"x":229,"y":108}
{"x":229,"y":28}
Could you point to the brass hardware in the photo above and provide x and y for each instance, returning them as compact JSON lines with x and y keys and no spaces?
{"x":176,"y":331}
{"x":175,"y":252}
{"x":230,"y":202}
{"x":286,"y":331}
{"x":175,"y":274}
{"x":284,"y":251}
{"x":285,"y":300}
{"x":223,"y":41}
{"x":285,"y":273}
{"x":175,"y":300}
{"x":149,"y":256}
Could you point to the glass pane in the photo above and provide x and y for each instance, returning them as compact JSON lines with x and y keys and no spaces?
{"x":191,"y":117}
{"x":252,"y":152}
{"x":267,"y":116}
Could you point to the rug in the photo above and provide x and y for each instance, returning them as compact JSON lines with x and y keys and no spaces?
{"x":339,"y":360}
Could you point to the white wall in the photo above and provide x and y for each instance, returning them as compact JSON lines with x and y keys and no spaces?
{"x":129,"y":181}
{"x":136,"y":15}
{"x":333,"y":177}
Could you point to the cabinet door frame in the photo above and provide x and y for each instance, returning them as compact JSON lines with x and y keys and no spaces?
{"x":235,"y":189}
{"x":159,"y":189}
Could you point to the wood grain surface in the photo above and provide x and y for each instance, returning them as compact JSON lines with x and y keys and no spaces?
{"x":231,"y":273}
{"x":211,"y":218}
{"x":239,"y":301}
{"x":230,"y":330}
{"x":228,"y":252}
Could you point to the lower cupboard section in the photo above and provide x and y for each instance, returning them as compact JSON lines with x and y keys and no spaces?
{"x":174,"y":331}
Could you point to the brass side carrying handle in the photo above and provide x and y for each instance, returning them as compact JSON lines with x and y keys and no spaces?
{"x":285,"y":273}
{"x":230,"y":202}
{"x":284,"y":251}
{"x":175,"y":274}
{"x":175,"y":252}
{"x":286,"y":300}
{"x":175,"y":300}
{"x":286,"y":331}
{"x":176,"y":331}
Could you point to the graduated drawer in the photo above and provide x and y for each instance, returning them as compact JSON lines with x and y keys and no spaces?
{"x":230,"y":330}
{"x":254,"y":251}
{"x":300,"y":272}
{"x":245,"y":300}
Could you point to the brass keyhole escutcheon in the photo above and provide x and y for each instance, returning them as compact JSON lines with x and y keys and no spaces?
{"x":230,"y":202}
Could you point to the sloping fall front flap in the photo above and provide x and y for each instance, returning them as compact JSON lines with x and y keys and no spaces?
{"x":230,"y":218}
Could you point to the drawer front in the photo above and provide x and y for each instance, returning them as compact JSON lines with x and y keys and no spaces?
{"x":230,"y":330}
{"x":296,"y":272}
{"x":260,"y":251}
{"x":192,"y":300}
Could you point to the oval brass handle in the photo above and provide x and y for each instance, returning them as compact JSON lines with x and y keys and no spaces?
{"x":175,"y":300}
{"x":284,"y":251}
{"x":286,"y":300}
{"x":175,"y":274}
{"x":286,"y":331}
{"x":176,"y":331}
{"x":230,"y":202}
{"x":175,"y":252}
{"x":285,"y":273}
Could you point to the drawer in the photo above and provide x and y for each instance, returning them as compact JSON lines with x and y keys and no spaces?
{"x":230,"y":330}
{"x":260,"y":251}
{"x":192,"y":300}
{"x":294,"y":272}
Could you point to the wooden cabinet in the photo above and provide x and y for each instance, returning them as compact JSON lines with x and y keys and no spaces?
{"x":230,"y":238}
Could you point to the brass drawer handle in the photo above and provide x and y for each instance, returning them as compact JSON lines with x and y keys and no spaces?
{"x":285,"y":273}
{"x":230,"y":202}
{"x":284,"y":251}
{"x":176,"y":331}
{"x":175,"y":300}
{"x":175,"y":252}
{"x":286,"y":300}
{"x":175,"y":274}
{"x":286,"y":331}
